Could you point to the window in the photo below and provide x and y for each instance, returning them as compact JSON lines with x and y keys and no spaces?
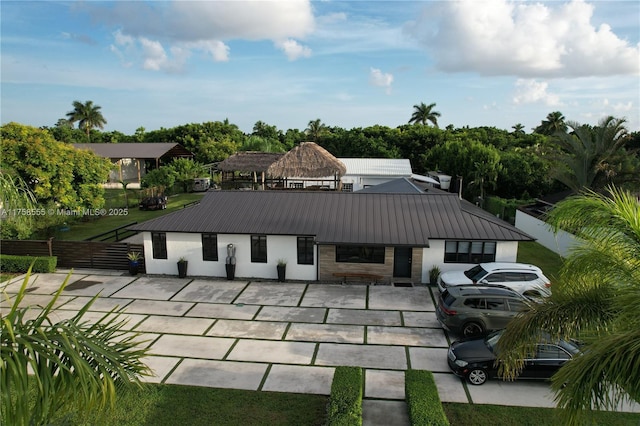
{"x":296,"y":185}
{"x":496,"y":305}
{"x":469,"y":251}
{"x":517,"y":305}
{"x":159,"y":244}
{"x":259,"y":249}
{"x":305,"y":250}
{"x":347,"y":187}
{"x":551,"y":352}
{"x":360,"y":254}
{"x":209,"y":247}
{"x":475,"y":303}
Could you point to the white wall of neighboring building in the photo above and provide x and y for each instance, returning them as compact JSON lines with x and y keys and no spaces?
{"x":560,"y":243}
{"x":506,"y":251}
{"x":189,"y":246}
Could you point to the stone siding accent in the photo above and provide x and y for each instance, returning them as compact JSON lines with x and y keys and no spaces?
{"x":327,"y":265}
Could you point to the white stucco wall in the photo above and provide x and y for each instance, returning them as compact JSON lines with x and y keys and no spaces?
{"x":561,"y":243}
{"x":506,"y":251}
{"x":190,"y":246}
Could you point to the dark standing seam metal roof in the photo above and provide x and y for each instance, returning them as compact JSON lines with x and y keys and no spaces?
{"x":338,"y":217}
{"x":136,"y":150}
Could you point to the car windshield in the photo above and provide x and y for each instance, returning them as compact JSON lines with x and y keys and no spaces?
{"x":475,"y":273}
{"x":492,"y":339}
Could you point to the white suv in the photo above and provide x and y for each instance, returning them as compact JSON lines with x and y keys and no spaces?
{"x":525,"y":279}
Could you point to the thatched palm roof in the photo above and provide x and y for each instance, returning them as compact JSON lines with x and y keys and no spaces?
{"x":249,"y":161}
{"x":307,"y":160}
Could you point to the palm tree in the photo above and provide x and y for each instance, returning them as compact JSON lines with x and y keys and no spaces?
{"x":424,"y":113}
{"x":49,"y":366}
{"x":595,"y":301}
{"x":552,"y":125}
{"x":315,"y":129}
{"x":585,"y":155}
{"x":518,"y":129}
{"x":87,"y":115}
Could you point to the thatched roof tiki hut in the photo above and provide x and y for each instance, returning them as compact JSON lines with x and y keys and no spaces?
{"x":250,"y":163}
{"x":308,"y":162}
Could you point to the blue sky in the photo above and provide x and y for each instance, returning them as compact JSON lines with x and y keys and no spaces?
{"x":350,"y":63}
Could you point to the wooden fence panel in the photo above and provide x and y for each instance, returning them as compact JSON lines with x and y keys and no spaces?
{"x":77,"y":254}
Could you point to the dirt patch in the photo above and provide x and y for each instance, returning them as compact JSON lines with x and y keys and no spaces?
{"x":80,"y":284}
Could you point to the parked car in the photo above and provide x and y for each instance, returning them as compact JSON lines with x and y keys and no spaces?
{"x":154,"y":203}
{"x":528,"y":280}
{"x":474,"y":310}
{"x":475,"y":359}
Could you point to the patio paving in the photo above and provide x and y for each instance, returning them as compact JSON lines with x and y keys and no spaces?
{"x":283,"y":337}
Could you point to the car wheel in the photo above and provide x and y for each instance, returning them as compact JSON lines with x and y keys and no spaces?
{"x":472,"y":329}
{"x":477,"y":376}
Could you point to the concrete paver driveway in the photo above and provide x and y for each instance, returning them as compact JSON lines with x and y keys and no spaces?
{"x":285,"y":337}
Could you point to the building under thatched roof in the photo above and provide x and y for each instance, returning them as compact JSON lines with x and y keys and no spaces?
{"x":249,"y":161}
{"x":307,"y":160}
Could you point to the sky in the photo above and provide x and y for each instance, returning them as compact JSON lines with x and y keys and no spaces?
{"x":161,"y":64}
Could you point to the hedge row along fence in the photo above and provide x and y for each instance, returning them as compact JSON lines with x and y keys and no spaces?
{"x":423,"y":401}
{"x":13,"y":263}
{"x":345,"y":402}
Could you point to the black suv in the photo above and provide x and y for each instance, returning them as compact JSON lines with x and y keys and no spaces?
{"x":475,"y":310}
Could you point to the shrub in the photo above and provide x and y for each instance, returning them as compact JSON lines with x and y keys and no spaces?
{"x":434,"y":273}
{"x":13,"y":263}
{"x":423,"y":401}
{"x":345,"y":402}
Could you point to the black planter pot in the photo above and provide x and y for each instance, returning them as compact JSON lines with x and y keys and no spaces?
{"x":182,"y":268}
{"x":231,"y":271}
{"x":282,"y":272}
{"x":133,"y":267}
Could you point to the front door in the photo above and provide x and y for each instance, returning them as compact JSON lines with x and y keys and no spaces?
{"x":402,"y":262}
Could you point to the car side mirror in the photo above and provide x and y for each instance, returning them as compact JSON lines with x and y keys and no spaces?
{"x":484,"y":282}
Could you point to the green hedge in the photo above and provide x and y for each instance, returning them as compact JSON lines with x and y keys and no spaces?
{"x":345,"y":402}
{"x":12,"y":263}
{"x":423,"y":401}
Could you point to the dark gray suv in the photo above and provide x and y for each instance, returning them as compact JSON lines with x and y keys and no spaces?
{"x":476,"y":310}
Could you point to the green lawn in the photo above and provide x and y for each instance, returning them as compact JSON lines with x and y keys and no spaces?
{"x":537,"y":254}
{"x":498,"y":415}
{"x":171,"y":405}
{"x":81,"y":230}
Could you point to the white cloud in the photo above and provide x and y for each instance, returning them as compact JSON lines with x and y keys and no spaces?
{"x":206,"y":25}
{"x":531,"y":91}
{"x":293,"y":49}
{"x":379,"y":79}
{"x":503,"y":37}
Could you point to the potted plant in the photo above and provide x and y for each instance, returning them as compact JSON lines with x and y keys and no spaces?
{"x":134,"y":262}
{"x":434,"y":274}
{"x":182,"y":267}
{"x":282,"y":269}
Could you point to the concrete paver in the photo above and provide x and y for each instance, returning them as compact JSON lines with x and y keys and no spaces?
{"x":367,"y":356}
{"x":272,"y":351}
{"x":420,"y":319}
{"x":363,"y":317}
{"x":406,"y":336}
{"x":210,"y":291}
{"x":220,"y":310}
{"x":335,"y":296}
{"x":271,"y":294}
{"x":432,"y":359}
{"x":384,"y":413}
{"x":248,"y":329}
{"x":156,"y":288}
{"x":326,"y":333}
{"x":281,"y":313}
{"x":191,"y":346}
{"x":159,"y":307}
{"x":218,"y":374}
{"x":299,"y":379}
{"x":384,"y":384}
{"x":400,"y":298}
{"x":450,"y":387}
{"x":160,"y":367}
{"x":103,"y":304}
{"x":180,"y":325}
